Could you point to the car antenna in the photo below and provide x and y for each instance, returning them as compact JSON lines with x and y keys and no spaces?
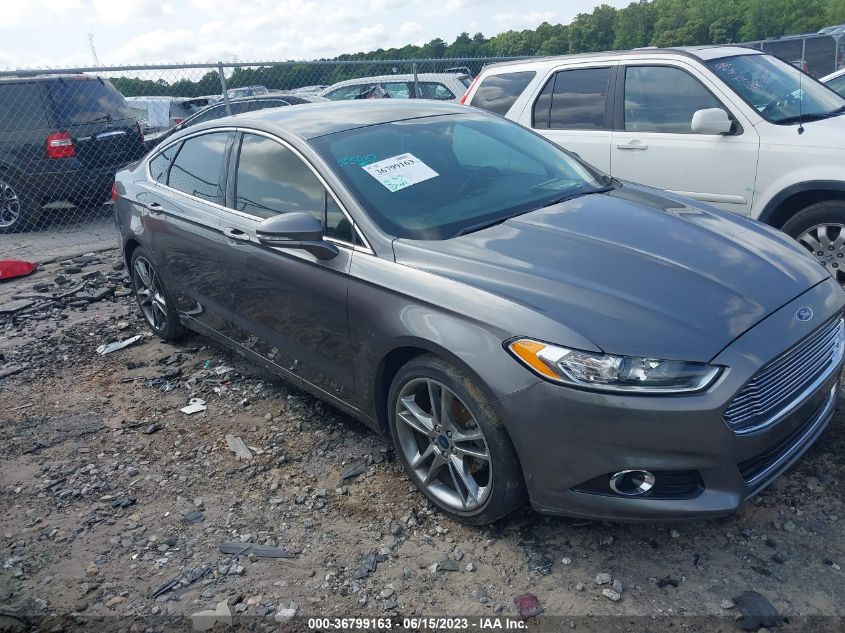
{"x":800,"y":101}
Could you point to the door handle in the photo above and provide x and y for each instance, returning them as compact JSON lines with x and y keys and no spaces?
{"x":632,"y":145}
{"x":155,"y":207}
{"x":236,"y":234}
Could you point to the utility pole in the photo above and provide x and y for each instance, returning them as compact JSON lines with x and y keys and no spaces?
{"x":93,"y":50}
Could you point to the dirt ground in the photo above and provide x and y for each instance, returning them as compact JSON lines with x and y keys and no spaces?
{"x":115,"y":503}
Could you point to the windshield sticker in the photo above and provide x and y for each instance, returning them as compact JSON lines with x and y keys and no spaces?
{"x":401,"y":171}
{"x":356,"y":160}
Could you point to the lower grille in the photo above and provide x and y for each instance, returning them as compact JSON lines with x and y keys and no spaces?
{"x":781,"y":381}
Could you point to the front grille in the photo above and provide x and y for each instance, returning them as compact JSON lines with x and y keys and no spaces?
{"x":755,"y":466}
{"x":777,"y":385}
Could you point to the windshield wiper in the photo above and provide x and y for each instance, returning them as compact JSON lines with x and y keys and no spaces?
{"x":472,"y":228}
{"x":577,"y":194}
{"x":815,"y":116}
{"x":102,"y":117}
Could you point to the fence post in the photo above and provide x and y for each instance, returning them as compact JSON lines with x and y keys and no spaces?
{"x":223,"y":87}
{"x":416,"y":82}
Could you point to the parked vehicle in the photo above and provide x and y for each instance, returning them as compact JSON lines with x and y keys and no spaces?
{"x":62,"y":138}
{"x":236,"y":106}
{"x":437,"y":86}
{"x":247,"y":91}
{"x":519,"y":323}
{"x":156,"y":114}
{"x":836,"y":81}
{"x":721,"y":124}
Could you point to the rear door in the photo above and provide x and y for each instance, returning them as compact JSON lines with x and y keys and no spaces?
{"x":186,"y":204}
{"x":104,"y":131}
{"x":655,"y":145}
{"x":574,"y":108}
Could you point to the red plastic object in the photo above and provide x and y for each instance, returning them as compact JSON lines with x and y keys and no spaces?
{"x":11,"y":268}
{"x":528,"y":606}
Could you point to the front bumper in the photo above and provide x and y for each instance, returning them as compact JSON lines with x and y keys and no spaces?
{"x":565,"y":437}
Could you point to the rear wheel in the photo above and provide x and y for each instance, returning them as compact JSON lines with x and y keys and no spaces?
{"x":18,"y":211}
{"x":153,"y":297}
{"x":820,"y":228}
{"x":451,"y":443}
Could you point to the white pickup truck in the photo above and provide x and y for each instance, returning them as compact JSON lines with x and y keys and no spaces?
{"x":725,"y":125}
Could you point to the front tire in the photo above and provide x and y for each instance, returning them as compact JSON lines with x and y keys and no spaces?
{"x":451,"y":443}
{"x":156,"y":304}
{"x":820,"y":228}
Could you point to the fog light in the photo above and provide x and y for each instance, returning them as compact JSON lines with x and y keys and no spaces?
{"x":632,"y":483}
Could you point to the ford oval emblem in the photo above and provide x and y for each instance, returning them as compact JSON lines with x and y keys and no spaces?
{"x":804,"y":314}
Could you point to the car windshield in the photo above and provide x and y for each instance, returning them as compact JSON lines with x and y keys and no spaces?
{"x":776,"y":89}
{"x":437,"y":177}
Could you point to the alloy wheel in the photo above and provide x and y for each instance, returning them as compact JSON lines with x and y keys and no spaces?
{"x":150,"y":295}
{"x":10,"y":205}
{"x":443,"y":444}
{"x":827,"y":244}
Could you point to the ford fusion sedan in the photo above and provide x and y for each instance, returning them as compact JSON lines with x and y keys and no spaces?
{"x":521,"y":325}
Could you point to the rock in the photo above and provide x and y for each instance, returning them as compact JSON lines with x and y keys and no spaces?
{"x":387,"y":592}
{"x":610,"y":594}
{"x":527,"y":605}
{"x":579,"y":587}
{"x":603,"y":578}
{"x":566,"y":560}
{"x":617,"y":586}
{"x":15,"y":306}
{"x":284,"y":614}
{"x":114,"y":601}
{"x":447,"y":565}
{"x":727,"y":604}
{"x":674,"y":533}
{"x":789,"y":526}
{"x":470,"y":567}
{"x":458,"y":554}
{"x":756,"y":611}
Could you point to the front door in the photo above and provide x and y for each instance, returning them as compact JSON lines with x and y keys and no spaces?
{"x":654,"y":144}
{"x":285,"y":304}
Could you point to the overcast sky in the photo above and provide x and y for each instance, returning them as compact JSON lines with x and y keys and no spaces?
{"x":54,"y":32}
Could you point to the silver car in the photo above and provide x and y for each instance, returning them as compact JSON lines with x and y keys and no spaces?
{"x":437,"y":86}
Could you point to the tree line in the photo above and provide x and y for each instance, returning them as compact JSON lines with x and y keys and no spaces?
{"x":642,"y":23}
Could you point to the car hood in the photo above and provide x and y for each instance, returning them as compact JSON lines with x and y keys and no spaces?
{"x":636,"y":272}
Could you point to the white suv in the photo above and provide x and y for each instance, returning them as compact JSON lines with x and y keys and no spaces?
{"x":724,"y":125}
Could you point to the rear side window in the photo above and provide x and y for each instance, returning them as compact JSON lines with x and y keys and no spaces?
{"x":837,"y":84}
{"x":196,"y":169}
{"x":429,"y":90}
{"x":81,"y":101}
{"x":347,"y":92}
{"x":497,"y":93}
{"x":663,"y":99}
{"x":160,"y":164}
{"x":573,"y":100}
{"x":21,"y":107}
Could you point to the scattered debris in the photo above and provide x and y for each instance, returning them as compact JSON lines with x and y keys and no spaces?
{"x":237,"y":446}
{"x":195,"y":405}
{"x":610,"y":594}
{"x":194,"y":516}
{"x":528,"y":606}
{"x":205,"y":620}
{"x":261,"y":551}
{"x":368,"y":565}
{"x":15,"y":306}
{"x":353,"y":470}
{"x":667,"y":581}
{"x":603,"y":578}
{"x":102,"y":350}
{"x":756,"y":611}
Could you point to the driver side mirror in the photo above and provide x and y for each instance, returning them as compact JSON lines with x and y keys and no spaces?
{"x":711,"y":121}
{"x":296,"y":230}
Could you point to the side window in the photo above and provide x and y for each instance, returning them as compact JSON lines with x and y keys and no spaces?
{"x":271,"y":179}
{"x":160,"y":164}
{"x":396,"y":89}
{"x":837,"y":84}
{"x":663,"y":99}
{"x":429,"y":90}
{"x":196,"y":168}
{"x":209,"y":114}
{"x":21,"y":107}
{"x":347,"y":92}
{"x":497,"y":93}
{"x":573,"y":100}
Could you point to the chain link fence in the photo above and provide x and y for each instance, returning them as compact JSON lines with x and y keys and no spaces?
{"x":817,"y":55}
{"x":64,"y":132}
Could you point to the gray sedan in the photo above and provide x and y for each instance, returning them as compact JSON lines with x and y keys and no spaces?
{"x":522,"y":326}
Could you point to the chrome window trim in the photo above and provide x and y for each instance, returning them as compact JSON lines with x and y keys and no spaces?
{"x":366,"y":248}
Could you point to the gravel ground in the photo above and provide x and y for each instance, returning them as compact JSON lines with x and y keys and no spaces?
{"x":116,"y":504}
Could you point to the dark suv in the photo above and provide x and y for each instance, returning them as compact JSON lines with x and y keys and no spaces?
{"x":62,"y":138}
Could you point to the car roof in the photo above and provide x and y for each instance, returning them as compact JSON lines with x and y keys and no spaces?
{"x":310,"y":120}
{"x":402,"y":77}
{"x":833,"y":75}
{"x":703,"y":53}
{"x":23,"y":76}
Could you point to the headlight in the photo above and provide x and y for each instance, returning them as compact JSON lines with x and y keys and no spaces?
{"x":613,"y":373}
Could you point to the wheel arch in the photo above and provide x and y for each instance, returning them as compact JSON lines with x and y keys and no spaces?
{"x":129,"y":247}
{"x":792,"y":199}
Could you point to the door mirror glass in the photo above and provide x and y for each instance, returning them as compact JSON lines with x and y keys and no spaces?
{"x":711,"y":121}
{"x":296,"y":230}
